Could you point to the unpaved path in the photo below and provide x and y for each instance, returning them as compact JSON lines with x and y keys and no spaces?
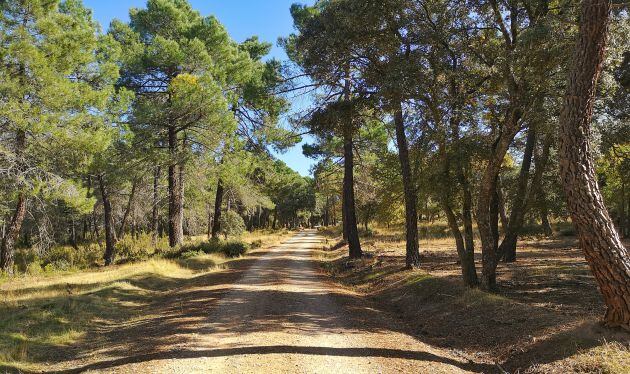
{"x":278,"y":315}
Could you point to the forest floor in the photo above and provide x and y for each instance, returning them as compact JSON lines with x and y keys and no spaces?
{"x":543,"y":319}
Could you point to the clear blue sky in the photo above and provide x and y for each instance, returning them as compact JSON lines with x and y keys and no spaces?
{"x":269,"y":19}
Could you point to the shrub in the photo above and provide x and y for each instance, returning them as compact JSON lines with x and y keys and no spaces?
{"x":191,"y":254}
{"x":256,"y":244}
{"x":34,"y":268}
{"x":234,"y":248}
{"x":232,"y":224}
{"x":24,"y":257}
{"x":61,"y":258}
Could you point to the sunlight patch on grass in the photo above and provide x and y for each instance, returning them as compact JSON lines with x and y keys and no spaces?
{"x":38,"y":313}
{"x":607,"y":358}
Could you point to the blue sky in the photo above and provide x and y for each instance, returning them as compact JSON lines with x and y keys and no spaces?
{"x":269,"y":19}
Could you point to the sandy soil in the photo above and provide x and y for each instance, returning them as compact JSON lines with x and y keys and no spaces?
{"x":272,"y":313}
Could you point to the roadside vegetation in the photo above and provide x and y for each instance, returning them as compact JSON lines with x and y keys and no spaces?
{"x":544,"y":317}
{"x":45,"y":315}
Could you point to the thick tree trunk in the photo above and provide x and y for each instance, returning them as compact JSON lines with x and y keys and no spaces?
{"x":110,"y":233}
{"x":175,"y":201}
{"x":123,"y":223}
{"x":519,"y":206}
{"x":350,"y":216}
{"x":412,"y":257}
{"x":218,"y":203}
{"x":608,"y":258}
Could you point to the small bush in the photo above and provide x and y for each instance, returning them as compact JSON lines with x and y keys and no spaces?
{"x":190,"y":254}
{"x":25,"y":257}
{"x":130,"y":249}
{"x":256,"y":244}
{"x":234,"y":248}
{"x":34,"y":268}
{"x":62,"y":258}
{"x":232,"y":224}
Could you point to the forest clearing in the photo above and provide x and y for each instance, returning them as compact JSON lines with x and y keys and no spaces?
{"x":325,"y":186}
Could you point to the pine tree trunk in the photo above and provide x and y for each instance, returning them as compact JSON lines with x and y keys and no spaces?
{"x":86,"y":219}
{"x":519,"y":207}
{"x":7,"y":247}
{"x":123,"y":223}
{"x":155,"y":204}
{"x":110,"y":233}
{"x":218,"y":203}
{"x":412,"y":254}
{"x":536,"y":195}
{"x":350,"y":216}
{"x":7,"y":250}
{"x":175,"y":202}
{"x":608,"y":258}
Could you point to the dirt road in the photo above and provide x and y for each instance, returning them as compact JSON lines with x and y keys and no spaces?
{"x":277,"y":315}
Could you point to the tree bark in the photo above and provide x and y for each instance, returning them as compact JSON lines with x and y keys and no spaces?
{"x":544,"y":217}
{"x":412,"y":254}
{"x":507,"y":250}
{"x":123,"y":223}
{"x":487,"y":201}
{"x":609,"y":260}
{"x":86,"y":219}
{"x":501,"y":205}
{"x":155,"y":204}
{"x":110,"y":233}
{"x":175,"y":201}
{"x":350,"y":216}
{"x":537,"y":194}
{"x":7,"y":250}
{"x":7,"y":247}
{"x":218,"y":203}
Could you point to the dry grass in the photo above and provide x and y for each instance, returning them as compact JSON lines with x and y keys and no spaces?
{"x":608,"y":358}
{"x":38,"y":313}
{"x":545,"y":313}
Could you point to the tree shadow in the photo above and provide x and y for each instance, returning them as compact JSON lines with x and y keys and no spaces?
{"x":280,"y":349}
